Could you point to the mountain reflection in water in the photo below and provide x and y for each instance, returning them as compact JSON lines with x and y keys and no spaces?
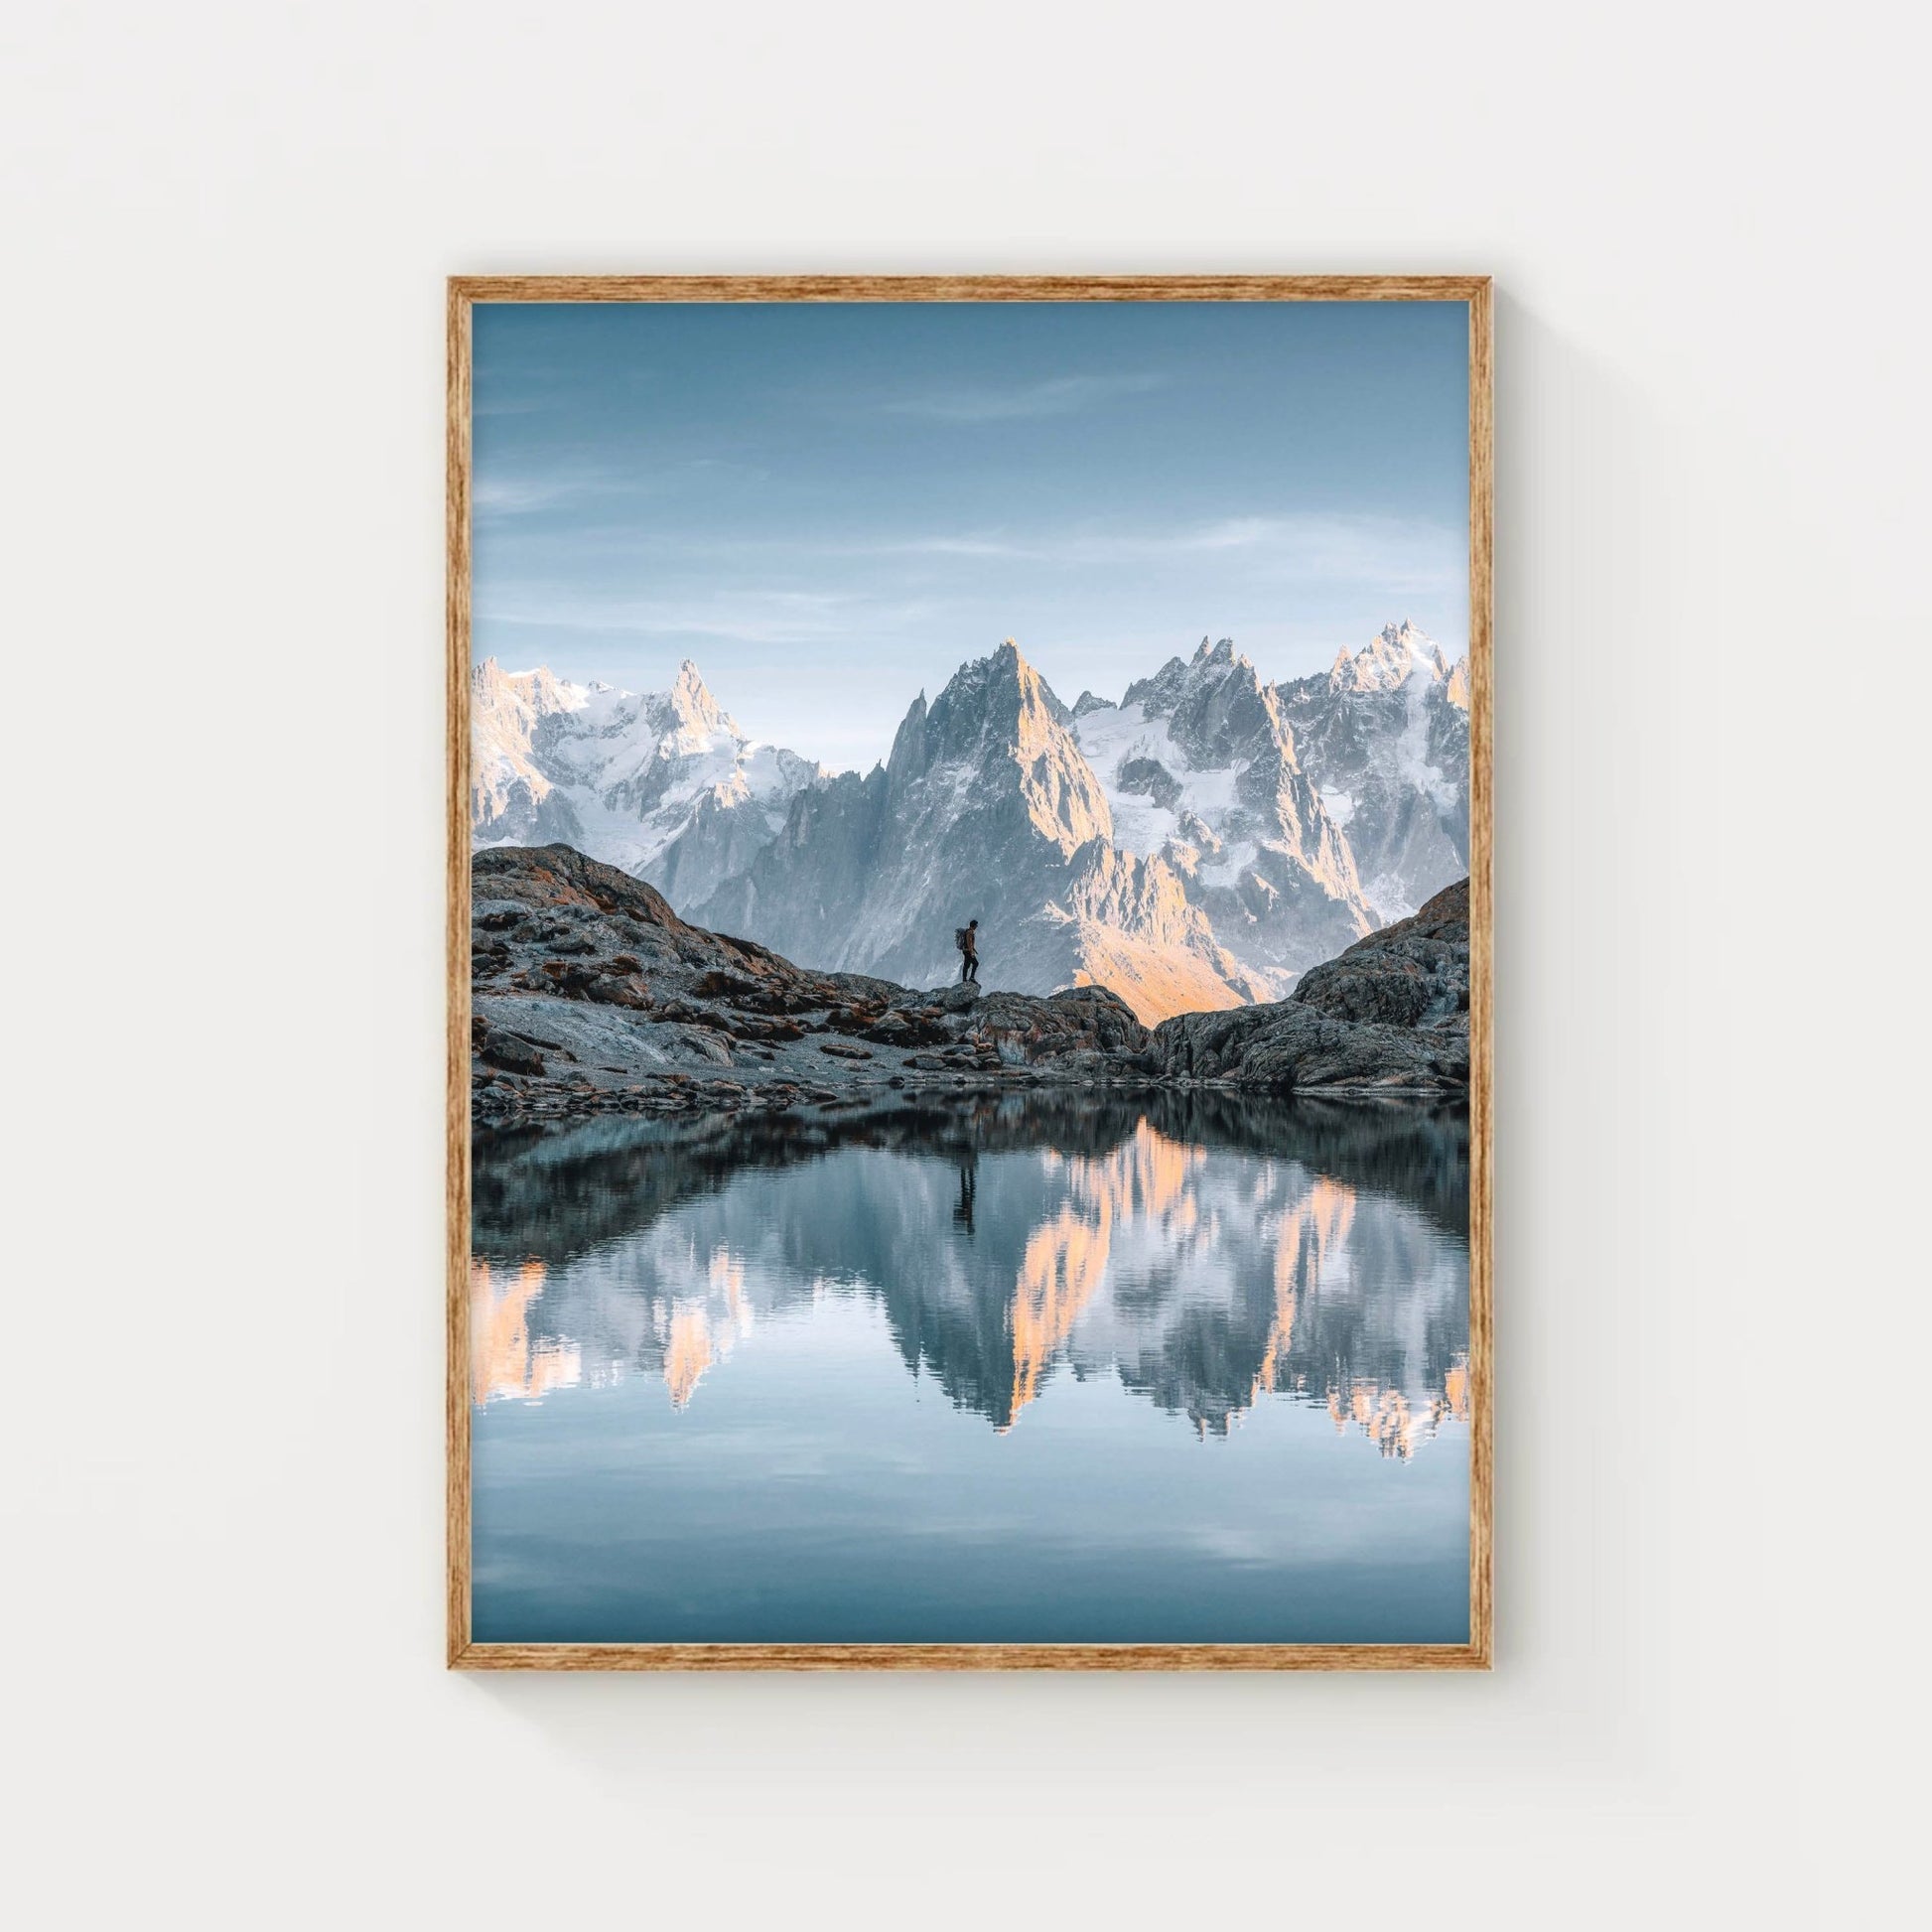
{"x":1040,"y":1368}
{"x":1207,"y":1254}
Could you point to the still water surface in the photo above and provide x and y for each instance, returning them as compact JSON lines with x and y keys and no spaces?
{"x":1031,"y":1369}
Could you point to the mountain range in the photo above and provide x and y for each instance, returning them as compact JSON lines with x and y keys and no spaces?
{"x":1196,"y":845}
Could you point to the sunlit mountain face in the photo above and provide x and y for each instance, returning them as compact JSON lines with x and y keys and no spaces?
{"x":1201,"y":1258}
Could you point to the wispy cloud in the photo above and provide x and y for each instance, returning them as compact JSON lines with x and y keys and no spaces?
{"x":1060,"y":395}
{"x":744,"y":616}
{"x":511,"y":494}
{"x":501,"y":490}
{"x":1402,"y":553}
{"x":1406,"y":552}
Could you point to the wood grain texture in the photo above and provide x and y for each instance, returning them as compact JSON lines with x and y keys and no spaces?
{"x":456,"y":1127}
{"x":1482,"y":1406}
{"x":968,"y":288}
{"x":1474,"y":290}
{"x":968,"y":1656}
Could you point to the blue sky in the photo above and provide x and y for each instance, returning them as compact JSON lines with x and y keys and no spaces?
{"x":830,"y":506}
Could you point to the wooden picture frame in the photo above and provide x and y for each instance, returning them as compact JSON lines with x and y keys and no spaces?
{"x":465,"y":293}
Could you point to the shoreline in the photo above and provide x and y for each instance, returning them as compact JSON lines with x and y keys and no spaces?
{"x":498,"y":1108}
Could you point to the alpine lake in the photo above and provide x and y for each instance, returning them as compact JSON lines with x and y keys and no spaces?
{"x":1177,"y":1366}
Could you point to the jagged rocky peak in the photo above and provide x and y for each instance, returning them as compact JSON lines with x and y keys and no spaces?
{"x":990,"y":703}
{"x":1212,"y":664}
{"x":1385,"y":736}
{"x":1389,"y":661}
{"x":1201,"y":769}
{"x":1216,"y":708}
{"x":1030,"y":692}
{"x":540,"y":691}
{"x":1223,"y":709}
{"x":694,"y":708}
{"x":1156,"y":695}
{"x":907,"y":757}
{"x":663,"y":784}
{"x":996,"y":729}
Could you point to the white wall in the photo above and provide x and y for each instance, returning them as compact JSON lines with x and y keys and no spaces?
{"x":228,"y":225}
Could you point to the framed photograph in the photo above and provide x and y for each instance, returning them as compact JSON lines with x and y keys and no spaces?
{"x":969,"y":931}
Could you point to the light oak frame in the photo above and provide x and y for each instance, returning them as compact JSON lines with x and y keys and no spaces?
{"x":1473,"y":290}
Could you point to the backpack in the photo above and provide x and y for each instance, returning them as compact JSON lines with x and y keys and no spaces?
{"x":961,"y":938}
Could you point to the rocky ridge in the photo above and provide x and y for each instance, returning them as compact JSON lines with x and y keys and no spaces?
{"x":590,"y":995}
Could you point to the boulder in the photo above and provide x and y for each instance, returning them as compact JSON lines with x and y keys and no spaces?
{"x":494,"y":1047}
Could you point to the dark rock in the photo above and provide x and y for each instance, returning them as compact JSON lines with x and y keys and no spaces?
{"x":716,"y":985}
{"x":504,"y":1051}
{"x":627,"y":993}
{"x":1291,"y":1049}
{"x":1390,"y":1012}
{"x":1414,"y":973}
{"x":709,"y":1045}
{"x":647,"y":995}
{"x":1152,"y":778}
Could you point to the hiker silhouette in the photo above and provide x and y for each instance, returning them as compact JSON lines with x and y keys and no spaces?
{"x":966,"y":938}
{"x":969,"y":1190}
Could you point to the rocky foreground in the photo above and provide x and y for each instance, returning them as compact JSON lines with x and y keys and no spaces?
{"x":589,"y":995}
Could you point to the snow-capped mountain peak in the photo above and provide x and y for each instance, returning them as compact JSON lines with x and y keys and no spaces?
{"x":697,"y":711}
{"x":539,"y":691}
{"x":663,"y":784}
{"x":1201,"y":770}
{"x":1396,"y":653}
{"x":997,"y":725}
{"x":1384,"y":734}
